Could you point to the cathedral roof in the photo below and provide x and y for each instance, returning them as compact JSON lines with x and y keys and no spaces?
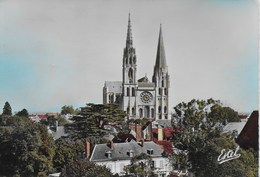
{"x":113,"y":86}
{"x":144,"y":79}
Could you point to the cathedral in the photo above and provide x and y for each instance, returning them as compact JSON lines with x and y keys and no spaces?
{"x":140,"y":98}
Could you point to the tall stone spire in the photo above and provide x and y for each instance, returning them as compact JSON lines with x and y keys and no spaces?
{"x":160,"y":57}
{"x":129,"y":40}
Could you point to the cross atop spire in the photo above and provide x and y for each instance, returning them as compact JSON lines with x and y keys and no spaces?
{"x":129,"y":39}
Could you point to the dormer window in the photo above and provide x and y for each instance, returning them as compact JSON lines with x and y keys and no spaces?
{"x":108,"y":154}
{"x":130,"y":153}
{"x":150,"y":151}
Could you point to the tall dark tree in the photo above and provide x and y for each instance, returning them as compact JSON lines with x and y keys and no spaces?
{"x":7,"y":110}
{"x":89,"y":123}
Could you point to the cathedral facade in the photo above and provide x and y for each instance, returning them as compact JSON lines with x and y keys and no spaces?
{"x":140,"y":98}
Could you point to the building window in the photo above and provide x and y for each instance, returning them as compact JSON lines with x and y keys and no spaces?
{"x":133,"y":110}
{"x":162,"y":83}
{"x":127,"y":110}
{"x":152,"y":165}
{"x":160,"y":91}
{"x":130,"y":75}
{"x":109,"y":166}
{"x":165,"y":109}
{"x":146,"y":112}
{"x":110,"y":98}
{"x":130,"y":60}
{"x":134,"y":60}
{"x":122,"y":167}
{"x":141,"y":112}
{"x":165,"y":91}
{"x":159,"y":109}
{"x":127,"y":91}
{"x":152,"y":112}
{"x":133,"y":91}
{"x":161,"y":164}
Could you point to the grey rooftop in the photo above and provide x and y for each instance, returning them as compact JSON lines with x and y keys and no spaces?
{"x":121,"y":151}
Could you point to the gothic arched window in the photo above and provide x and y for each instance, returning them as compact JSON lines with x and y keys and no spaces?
{"x":160,"y":91}
{"x":159,"y":109}
{"x":127,"y":91}
{"x":133,"y":110}
{"x":130,"y":60}
{"x":133,"y":91}
{"x":152,"y":113}
{"x":165,"y":109}
{"x":141,"y":112}
{"x":130,"y":75}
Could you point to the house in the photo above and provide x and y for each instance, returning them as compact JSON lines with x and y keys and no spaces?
{"x":116,"y":156}
{"x":234,"y":128}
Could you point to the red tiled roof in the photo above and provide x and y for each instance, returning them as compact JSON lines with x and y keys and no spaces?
{"x":42,"y":116}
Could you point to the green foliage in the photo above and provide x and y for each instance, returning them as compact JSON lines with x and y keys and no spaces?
{"x":67,"y":110}
{"x":25,"y":150}
{"x":62,"y":121}
{"x":91,"y":119}
{"x":200,"y":137}
{"x":7,"y":110}
{"x":84,"y":168}
{"x":23,"y":113}
{"x":13,"y":121}
{"x":66,"y":152}
{"x":198,"y":114}
{"x":141,"y":165}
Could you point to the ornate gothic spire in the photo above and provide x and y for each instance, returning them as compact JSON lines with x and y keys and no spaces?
{"x":129,"y":40}
{"x":160,"y":57}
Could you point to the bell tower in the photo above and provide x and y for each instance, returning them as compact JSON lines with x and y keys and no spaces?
{"x":161,"y":79}
{"x":129,"y":74}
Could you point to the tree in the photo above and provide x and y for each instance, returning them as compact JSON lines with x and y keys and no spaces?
{"x":141,"y":165}
{"x":200,"y":137}
{"x":66,"y":151}
{"x":23,"y":113}
{"x":7,"y":110}
{"x":25,"y":150}
{"x":89,"y":123}
{"x":67,"y":110}
{"x":84,"y":168}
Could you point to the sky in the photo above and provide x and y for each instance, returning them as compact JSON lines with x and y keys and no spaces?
{"x":60,"y":52}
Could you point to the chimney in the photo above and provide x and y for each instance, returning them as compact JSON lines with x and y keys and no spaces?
{"x":148,"y":137}
{"x":131,"y":126}
{"x":138,"y":130}
{"x":87,"y":149}
{"x":110,"y":144}
{"x":141,"y":142}
{"x":160,"y":134}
